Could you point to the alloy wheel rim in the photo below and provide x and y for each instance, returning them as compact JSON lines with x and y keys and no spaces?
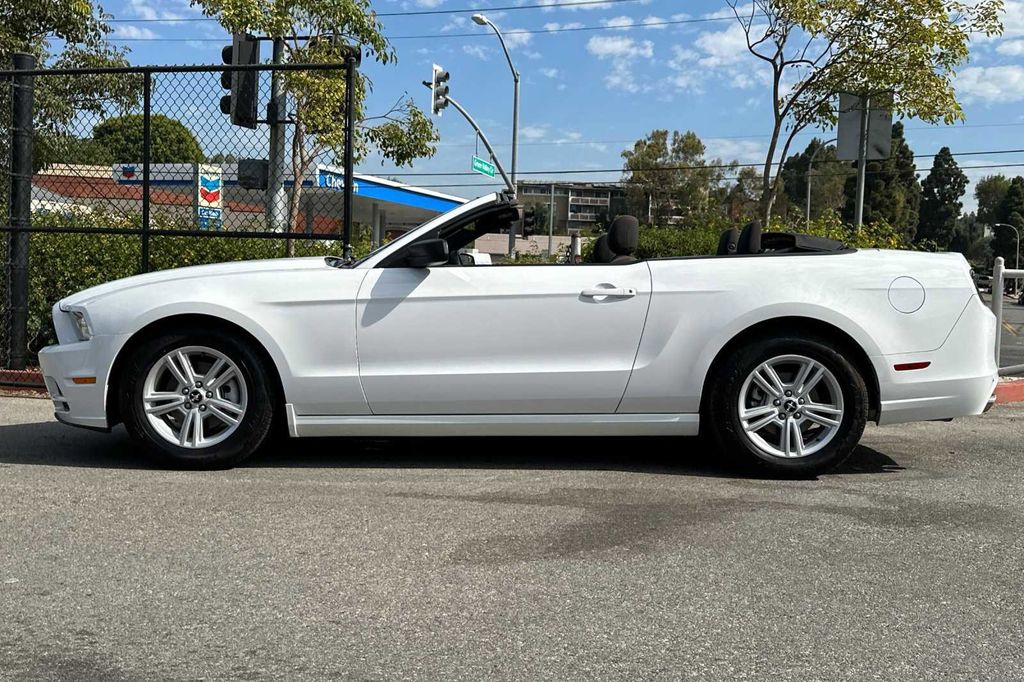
{"x":791,"y":406}
{"x":194,"y":397}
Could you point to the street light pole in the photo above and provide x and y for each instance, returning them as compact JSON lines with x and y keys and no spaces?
{"x":810,"y":168}
{"x":482,"y":20}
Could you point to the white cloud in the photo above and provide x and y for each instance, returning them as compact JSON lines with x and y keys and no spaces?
{"x":622,"y":51}
{"x":724,"y":47}
{"x":730,"y":149}
{"x":550,"y":72}
{"x":625,"y":23}
{"x":534,"y":132}
{"x":429,"y":4}
{"x":478,"y":51}
{"x":619,"y":47}
{"x":129,"y":31}
{"x":169,"y":11}
{"x":455,"y":23}
{"x":619,"y":22}
{"x":991,"y":83}
{"x":515,"y":37}
{"x":1011,"y":48}
{"x":550,"y":5}
{"x":569,"y":26}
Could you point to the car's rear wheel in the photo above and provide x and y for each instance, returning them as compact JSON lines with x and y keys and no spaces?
{"x":197,"y":398}
{"x":789,"y":405}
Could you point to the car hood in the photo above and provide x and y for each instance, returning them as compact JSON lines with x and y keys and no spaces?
{"x":190,"y":273}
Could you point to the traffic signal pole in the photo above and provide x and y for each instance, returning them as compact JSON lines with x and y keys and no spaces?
{"x":276,"y":198}
{"x":487,"y":144}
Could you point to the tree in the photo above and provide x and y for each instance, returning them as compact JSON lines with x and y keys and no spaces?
{"x":891,"y":190}
{"x":742,"y":200}
{"x":969,"y":239}
{"x":940,"y":200}
{"x":317,"y":98}
{"x":827,"y":181}
{"x":665,"y":176}
{"x":990,"y":192}
{"x":816,"y":49}
{"x":170,"y":141}
{"x":1011,"y":211}
{"x":80,"y":29}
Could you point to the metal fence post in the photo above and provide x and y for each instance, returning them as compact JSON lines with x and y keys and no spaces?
{"x":350,"y":123}
{"x":147,"y":92}
{"x":21,"y":208}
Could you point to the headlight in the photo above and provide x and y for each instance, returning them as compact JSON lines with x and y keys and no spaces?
{"x":81,"y":324}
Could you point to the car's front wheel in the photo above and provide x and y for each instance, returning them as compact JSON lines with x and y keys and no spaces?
{"x":789,"y":405}
{"x":197,"y":398}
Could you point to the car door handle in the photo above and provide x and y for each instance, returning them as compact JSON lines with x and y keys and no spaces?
{"x":620,"y":292}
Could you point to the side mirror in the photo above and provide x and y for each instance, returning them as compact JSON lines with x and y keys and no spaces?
{"x":427,"y":254}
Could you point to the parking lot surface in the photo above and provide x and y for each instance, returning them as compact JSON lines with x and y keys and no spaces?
{"x":511,"y":559}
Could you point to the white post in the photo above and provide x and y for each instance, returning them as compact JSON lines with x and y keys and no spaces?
{"x":997,"y":302}
{"x":551,"y":220}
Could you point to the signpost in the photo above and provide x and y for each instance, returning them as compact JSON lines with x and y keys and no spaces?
{"x":483,"y":167}
{"x":865,"y":134}
{"x":209,"y":197}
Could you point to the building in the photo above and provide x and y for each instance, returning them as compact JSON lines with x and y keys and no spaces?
{"x":388,"y":207}
{"x":575,"y":206}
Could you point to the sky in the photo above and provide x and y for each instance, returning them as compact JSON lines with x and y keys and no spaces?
{"x":622,"y":69}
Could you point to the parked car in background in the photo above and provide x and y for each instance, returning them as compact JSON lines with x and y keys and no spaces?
{"x":780,"y":348}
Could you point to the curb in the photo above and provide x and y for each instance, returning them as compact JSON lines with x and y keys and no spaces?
{"x":1010,"y":391}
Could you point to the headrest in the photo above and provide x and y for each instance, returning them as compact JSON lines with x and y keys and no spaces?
{"x":624,"y":235}
{"x":750,"y":238}
{"x":602,"y":253}
{"x":728,"y":241}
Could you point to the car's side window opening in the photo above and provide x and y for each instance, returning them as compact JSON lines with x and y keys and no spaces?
{"x":461,"y":234}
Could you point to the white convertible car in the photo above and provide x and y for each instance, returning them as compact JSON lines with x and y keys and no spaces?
{"x":780,"y":348}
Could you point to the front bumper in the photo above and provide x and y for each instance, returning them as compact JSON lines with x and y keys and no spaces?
{"x":79,"y":404}
{"x":960,"y":380}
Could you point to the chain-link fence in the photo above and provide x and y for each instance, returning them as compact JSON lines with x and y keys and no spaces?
{"x":147,"y":172}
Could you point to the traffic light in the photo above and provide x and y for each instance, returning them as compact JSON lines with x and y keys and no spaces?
{"x":439,"y":90}
{"x":529,"y":221}
{"x":243,"y":86}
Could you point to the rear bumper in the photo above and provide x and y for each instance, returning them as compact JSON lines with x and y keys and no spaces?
{"x":960,"y":380}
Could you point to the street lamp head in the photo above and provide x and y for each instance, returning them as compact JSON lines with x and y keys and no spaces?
{"x":480,"y":19}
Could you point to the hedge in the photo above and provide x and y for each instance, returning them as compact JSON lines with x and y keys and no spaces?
{"x":61,"y":264}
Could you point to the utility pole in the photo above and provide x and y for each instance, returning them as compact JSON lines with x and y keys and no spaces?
{"x":862,"y":157}
{"x":810,"y":169}
{"x":276,"y":197}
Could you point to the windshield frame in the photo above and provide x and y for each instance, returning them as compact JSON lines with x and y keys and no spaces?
{"x":373,"y":258}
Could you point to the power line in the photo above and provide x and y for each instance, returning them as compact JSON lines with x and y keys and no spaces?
{"x":661,"y":169}
{"x":478,"y":34}
{"x":765,"y":136}
{"x":414,"y":13}
{"x":625,"y":183}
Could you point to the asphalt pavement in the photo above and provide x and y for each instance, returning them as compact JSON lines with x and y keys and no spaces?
{"x":511,"y":559}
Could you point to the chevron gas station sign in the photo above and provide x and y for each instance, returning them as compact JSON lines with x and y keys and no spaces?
{"x":209,"y":196}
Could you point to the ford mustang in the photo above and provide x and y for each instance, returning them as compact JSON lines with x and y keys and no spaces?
{"x":780,"y":348}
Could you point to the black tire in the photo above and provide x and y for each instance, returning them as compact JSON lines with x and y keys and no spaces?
{"x":722,"y":410}
{"x":254,"y":427}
